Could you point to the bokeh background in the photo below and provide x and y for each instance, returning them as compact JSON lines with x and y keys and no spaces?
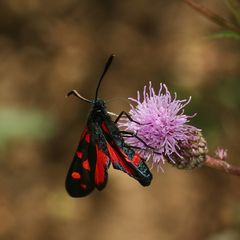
{"x":50,"y":47}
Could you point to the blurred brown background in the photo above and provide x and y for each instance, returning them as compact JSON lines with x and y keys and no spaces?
{"x":50,"y":47}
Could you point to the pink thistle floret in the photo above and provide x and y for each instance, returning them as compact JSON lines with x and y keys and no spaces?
{"x":163,"y":124}
{"x":221,"y":153}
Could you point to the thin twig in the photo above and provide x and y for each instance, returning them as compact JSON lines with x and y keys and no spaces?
{"x":219,"y":20}
{"x":222,"y":166}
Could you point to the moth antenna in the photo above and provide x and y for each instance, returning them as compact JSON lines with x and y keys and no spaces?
{"x":77,"y":94}
{"x":107,"y":65}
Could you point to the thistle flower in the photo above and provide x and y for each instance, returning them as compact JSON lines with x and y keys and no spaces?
{"x":160,"y":122}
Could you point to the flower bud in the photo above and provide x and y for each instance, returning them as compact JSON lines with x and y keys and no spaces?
{"x":191,"y":153}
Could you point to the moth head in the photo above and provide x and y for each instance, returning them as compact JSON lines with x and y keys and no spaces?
{"x":99,"y":105}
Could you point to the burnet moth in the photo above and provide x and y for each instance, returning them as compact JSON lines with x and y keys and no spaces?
{"x":101,"y":144}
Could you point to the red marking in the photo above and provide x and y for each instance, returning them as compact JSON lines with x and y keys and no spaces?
{"x":82,"y":185}
{"x":79,"y":154}
{"x":76,"y":175}
{"x":136,"y":159}
{"x":104,"y":127}
{"x":86,"y":165}
{"x":83,"y":133}
{"x":87,"y":138}
{"x":117,"y":159}
{"x":101,"y":164}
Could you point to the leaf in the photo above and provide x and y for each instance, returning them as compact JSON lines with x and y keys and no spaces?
{"x":225,"y":34}
{"x":234,"y":7}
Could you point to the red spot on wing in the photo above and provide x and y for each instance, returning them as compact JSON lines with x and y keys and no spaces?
{"x":83,"y":133}
{"x":85,"y":165}
{"x":87,"y":138}
{"x":120,"y":160}
{"x":136,"y":159}
{"x":101,"y":165}
{"x":79,"y":154}
{"x":76,"y":175}
{"x":104,"y":127}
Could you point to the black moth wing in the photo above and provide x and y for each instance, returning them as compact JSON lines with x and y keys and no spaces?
{"x":79,"y":181}
{"x":123,"y":157}
{"x":98,"y":151}
{"x":91,"y":160}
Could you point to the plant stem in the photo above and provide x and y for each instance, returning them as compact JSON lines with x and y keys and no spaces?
{"x":222,"y":166}
{"x":212,"y":16}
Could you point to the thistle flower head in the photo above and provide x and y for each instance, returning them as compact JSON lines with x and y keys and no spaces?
{"x":160,"y":122}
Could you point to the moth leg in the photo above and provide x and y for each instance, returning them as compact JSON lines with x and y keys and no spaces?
{"x":131,"y":135}
{"x":145,"y":149}
{"x":126,"y":115}
{"x":139,"y":148}
{"x":113,"y":114}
